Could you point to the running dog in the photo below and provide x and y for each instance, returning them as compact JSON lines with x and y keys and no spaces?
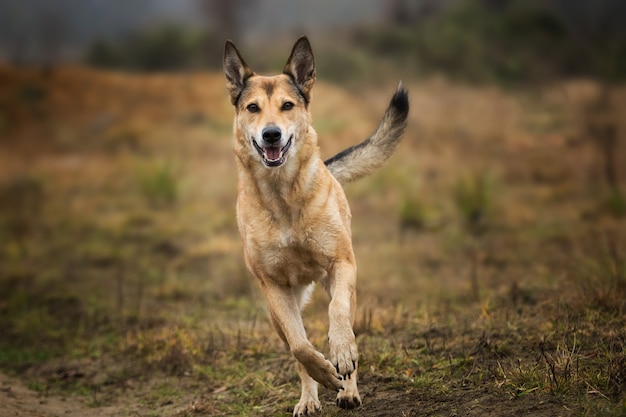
{"x":293,"y":215}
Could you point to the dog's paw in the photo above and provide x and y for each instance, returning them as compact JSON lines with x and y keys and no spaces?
{"x":344,"y":357}
{"x":326,"y":376}
{"x":349,"y":397}
{"x":319,"y":368}
{"x":308,"y":407}
{"x":348,"y":400}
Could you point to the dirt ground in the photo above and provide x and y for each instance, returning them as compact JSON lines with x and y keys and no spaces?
{"x":18,"y":400}
{"x":379,"y":401}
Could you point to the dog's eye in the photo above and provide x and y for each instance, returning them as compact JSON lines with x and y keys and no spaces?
{"x":288,"y":105}
{"x":253,"y":108}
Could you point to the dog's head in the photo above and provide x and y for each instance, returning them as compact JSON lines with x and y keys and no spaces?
{"x":272,"y":115}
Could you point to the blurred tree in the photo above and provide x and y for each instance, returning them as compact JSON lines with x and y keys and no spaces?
{"x":507,"y":41}
{"x":407,"y":13}
{"x":52,"y":27}
{"x":399,"y":13}
{"x":160,"y":48}
{"x":496,"y":4}
{"x":428,"y":8}
{"x":226,"y":15}
{"x":597,"y":36}
{"x":598,"y":46}
{"x":103,"y":54}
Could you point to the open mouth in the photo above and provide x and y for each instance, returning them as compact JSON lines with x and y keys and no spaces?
{"x":273,"y":156}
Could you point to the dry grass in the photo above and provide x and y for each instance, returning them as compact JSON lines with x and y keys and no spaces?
{"x":491,"y":269}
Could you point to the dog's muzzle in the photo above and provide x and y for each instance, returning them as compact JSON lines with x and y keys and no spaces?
{"x":272,"y":154}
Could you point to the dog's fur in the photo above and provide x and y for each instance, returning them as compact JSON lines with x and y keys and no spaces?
{"x":293,"y":215}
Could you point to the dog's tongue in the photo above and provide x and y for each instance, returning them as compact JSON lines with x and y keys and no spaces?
{"x":272,"y":153}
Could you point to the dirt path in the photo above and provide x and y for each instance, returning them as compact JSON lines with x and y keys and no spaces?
{"x":17,"y":400}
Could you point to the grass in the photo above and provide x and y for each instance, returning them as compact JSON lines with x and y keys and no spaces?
{"x":159,"y":182}
{"x":122,"y":282}
{"x":616,"y":204}
{"x":474,"y":197}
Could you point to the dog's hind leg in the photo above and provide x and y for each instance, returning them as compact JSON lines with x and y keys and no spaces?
{"x":285,"y":313}
{"x":304,"y":294}
{"x":343,"y":349}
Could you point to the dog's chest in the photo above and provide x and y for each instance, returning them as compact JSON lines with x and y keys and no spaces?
{"x":295,"y":257}
{"x":290,"y":238}
{"x":288,"y":253}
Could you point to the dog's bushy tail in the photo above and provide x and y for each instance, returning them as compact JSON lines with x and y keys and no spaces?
{"x":361,"y":160}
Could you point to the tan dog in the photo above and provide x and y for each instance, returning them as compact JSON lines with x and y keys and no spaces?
{"x":293,"y":215}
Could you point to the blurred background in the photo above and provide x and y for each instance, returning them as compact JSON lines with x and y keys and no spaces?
{"x":490,"y":40}
{"x":491,"y":248}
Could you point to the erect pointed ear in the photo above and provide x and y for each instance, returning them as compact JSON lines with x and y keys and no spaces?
{"x":301,"y":67}
{"x":236,"y":71}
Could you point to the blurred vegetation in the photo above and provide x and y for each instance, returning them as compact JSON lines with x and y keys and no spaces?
{"x":474,"y":196}
{"x":21,"y":201}
{"x":159,"y":182}
{"x":160,"y":48}
{"x":503,"y":41}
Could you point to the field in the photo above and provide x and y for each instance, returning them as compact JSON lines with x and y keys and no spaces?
{"x":491,"y":252}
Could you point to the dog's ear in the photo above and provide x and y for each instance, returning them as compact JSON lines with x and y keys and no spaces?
{"x":236,"y":71}
{"x":301,"y":66}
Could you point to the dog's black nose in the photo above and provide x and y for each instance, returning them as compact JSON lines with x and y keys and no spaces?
{"x":271,"y":134}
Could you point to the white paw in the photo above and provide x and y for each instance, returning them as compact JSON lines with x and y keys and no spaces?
{"x":318,"y":368}
{"x":349,"y":397}
{"x":348,"y":400}
{"x":344,"y":356}
{"x":308,"y":407}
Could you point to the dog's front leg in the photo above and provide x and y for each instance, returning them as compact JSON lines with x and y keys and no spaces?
{"x":343,"y":350}
{"x":286,"y":317}
{"x":309,"y":403}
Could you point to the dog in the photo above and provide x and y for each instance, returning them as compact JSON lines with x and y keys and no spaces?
{"x":293,"y":215}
